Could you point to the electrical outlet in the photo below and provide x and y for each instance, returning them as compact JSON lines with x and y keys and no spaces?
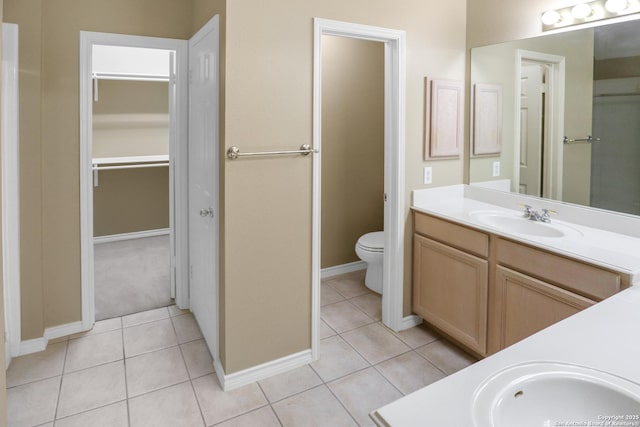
{"x":428,"y":172}
{"x":496,"y":168}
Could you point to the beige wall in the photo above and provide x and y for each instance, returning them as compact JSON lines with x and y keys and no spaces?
{"x":269,"y":54}
{"x":352,"y":145}
{"x":267,"y":68}
{"x":496,"y":64}
{"x":3,"y":374}
{"x":49,"y":32}
{"x":131,"y":118}
{"x":27,"y":13}
{"x":131,"y":200}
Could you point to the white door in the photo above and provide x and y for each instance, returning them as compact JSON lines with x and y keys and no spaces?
{"x":203,"y":180}
{"x":531,"y":132}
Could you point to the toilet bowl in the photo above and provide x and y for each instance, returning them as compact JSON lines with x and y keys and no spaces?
{"x":370,"y":248}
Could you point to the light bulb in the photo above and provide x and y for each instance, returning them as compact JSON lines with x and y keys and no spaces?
{"x":616,"y":6}
{"x":581,"y":11}
{"x":550,"y":17}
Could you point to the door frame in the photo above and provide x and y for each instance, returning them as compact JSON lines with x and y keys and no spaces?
{"x":554,"y":120}
{"x":178,"y":166}
{"x":11,"y":190}
{"x":394,"y":140}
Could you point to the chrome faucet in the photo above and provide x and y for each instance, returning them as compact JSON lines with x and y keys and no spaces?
{"x":534,"y":215}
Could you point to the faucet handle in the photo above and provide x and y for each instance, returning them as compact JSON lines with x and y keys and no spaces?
{"x":528,"y":210}
{"x":546,"y":214}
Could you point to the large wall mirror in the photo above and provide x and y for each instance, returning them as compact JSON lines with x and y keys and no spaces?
{"x":570,"y":116}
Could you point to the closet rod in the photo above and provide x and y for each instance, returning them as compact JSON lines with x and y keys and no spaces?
{"x":132,"y":166}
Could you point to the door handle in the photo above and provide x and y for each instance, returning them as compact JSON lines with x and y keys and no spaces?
{"x":206,"y":212}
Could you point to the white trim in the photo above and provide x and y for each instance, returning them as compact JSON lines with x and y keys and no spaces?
{"x":555,"y":122}
{"x":337,"y":270}
{"x":11,"y":189}
{"x":62,"y":330}
{"x":260,"y":372}
{"x":394,"y":125}
{"x":177,"y":168}
{"x":410,"y":321}
{"x":130,"y":236}
{"x":34,"y":345}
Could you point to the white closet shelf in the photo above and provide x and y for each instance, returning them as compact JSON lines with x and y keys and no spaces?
{"x":130,"y":159}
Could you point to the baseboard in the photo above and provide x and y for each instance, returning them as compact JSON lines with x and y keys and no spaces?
{"x":36,"y":345}
{"x":63,"y":330}
{"x":128,"y":236}
{"x":260,"y":372}
{"x":342,"y":269}
{"x":32,"y":346}
{"x":409,"y":322}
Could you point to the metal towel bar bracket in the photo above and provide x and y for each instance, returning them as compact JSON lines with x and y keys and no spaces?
{"x":234,"y":152}
{"x":588,"y":138}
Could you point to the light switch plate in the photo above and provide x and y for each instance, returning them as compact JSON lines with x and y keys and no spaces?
{"x":496,"y":168}
{"x":428,"y":174}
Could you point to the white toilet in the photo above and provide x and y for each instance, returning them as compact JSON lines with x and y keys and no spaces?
{"x":370,"y":248}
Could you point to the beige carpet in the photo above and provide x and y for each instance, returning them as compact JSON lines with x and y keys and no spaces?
{"x":131,"y":276}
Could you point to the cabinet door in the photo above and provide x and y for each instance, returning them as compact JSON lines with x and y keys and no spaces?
{"x":450,"y":291}
{"x":526,"y":305}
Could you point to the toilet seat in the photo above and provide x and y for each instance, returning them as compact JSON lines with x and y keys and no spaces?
{"x":372,"y":242}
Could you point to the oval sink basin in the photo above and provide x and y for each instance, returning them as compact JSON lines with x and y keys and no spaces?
{"x":552,"y":394}
{"x":514,"y":223}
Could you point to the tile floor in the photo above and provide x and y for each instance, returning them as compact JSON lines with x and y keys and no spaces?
{"x":154,"y":369}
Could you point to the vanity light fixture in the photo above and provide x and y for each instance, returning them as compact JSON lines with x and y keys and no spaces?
{"x":588,"y":12}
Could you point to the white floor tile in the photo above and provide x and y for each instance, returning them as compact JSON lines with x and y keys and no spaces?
{"x":446,"y":356}
{"x":289,"y":383}
{"x":313,"y":408}
{"x":114,"y":415}
{"x":364,"y":392}
{"x":37,"y":366}
{"x":100,"y":327}
{"x":152,"y":371}
{"x":263,"y":417}
{"x":175,"y":406}
{"x":92,"y":388}
{"x":186,"y":328}
{"x":94,"y":350}
{"x":34,"y":403}
{"x":344,"y":316}
{"x":409,"y":372}
{"x":198,"y":358}
{"x":375,"y":343}
{"x":337,"y":359}
{"x":149,"y":337}
{"x":145,"y":317}
{"x":218,"y":405}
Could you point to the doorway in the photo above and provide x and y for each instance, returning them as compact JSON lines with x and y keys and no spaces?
{"x":394,"y":209}
{"x":132,"y":109}
{"x":113,"y":162}
{"x":538,"y":158}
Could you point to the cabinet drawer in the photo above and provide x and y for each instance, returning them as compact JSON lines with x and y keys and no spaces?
{"x":452,"y":234}
{"x":573,"y":275}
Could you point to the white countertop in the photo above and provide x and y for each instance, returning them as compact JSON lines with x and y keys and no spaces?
{"x":591,"y":243}
{"x":605,"y":336}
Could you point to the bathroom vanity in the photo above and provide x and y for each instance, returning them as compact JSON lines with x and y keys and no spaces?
{"x":487,"y":292}
{"x":501,"y":285}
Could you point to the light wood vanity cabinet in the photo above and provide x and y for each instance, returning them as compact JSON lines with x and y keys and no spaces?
{"x":451,"y":280}
{"x":525,"y":305}
{"x":487,"y":292}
